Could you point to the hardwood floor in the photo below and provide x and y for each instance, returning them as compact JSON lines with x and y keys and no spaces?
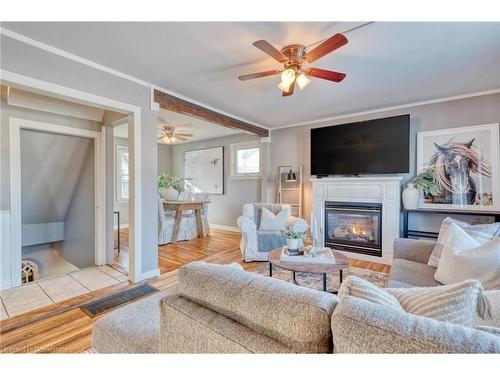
{"x":121,"y":258}
{"x":64,"y":328}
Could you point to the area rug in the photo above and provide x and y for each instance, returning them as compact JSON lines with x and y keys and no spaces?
{"x":315,"y":281}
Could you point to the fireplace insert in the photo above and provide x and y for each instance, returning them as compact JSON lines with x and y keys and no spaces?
{"x":354,"y":227}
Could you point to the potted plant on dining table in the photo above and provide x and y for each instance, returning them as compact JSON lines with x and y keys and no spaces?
{"x":170,"y":187}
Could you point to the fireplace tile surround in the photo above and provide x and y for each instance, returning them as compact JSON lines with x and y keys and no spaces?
{"x":379,"y":190}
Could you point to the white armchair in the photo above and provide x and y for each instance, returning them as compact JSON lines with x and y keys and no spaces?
{"x":255,"y":244}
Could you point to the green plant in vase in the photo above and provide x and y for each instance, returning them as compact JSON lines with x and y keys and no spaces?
{"x":293,"y":239}
{"x":426,"y":181}
{"x":171,"y":187}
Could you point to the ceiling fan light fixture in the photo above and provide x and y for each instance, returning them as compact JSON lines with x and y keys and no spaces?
{"x":287,"y":78}
{"x":284,"y":86}
{"x":302,"y":80}
{"x":293,"y":56}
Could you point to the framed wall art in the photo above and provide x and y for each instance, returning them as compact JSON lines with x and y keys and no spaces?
{"x":463,"y":163}
{"x":205,"y":169}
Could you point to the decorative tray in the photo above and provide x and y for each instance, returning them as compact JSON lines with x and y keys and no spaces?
{"x":317,"y":256}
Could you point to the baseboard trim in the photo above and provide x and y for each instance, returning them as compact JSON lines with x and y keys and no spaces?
{"x":224,"y":227}
{"x":5,"y":287}
{"x":150,"y":274}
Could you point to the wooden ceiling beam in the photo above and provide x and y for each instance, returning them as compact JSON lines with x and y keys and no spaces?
{"x":172,"y":103}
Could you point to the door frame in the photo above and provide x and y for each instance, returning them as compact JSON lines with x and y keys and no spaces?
{"x":15,"y":126}
{"x":20,"y":81}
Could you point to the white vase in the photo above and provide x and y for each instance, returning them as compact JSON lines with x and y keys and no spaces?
{"x":292,"y":243}
{"x":411,"y":196}
{"x":170,"y":194}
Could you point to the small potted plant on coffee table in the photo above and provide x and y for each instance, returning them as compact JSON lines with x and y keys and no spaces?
{"x":293,"y":239}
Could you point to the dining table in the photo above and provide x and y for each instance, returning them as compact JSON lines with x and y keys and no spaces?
{"x":181,"y":206}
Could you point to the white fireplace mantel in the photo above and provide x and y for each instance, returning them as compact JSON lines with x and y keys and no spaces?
{"x":376,"y":189}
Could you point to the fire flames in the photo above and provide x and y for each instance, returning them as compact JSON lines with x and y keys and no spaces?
{"x":359,"y":231}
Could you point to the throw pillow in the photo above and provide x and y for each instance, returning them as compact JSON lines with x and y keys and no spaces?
{"x":457,"y":303}
{"x":481,"y":232}
{"x":463,"y":257}
{"x":356,"y":287}
{"x":270,"y":221}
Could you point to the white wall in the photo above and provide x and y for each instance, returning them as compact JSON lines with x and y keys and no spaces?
{"x":78,"y":246}
{"x":31,"y":61}
{"x":57,"y":184}
{"x":223,"y":209}
{"x":164,"y":158}
{"x":8,"y":111}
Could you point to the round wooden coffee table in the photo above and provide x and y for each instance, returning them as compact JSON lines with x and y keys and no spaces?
{"x":341,"y":263}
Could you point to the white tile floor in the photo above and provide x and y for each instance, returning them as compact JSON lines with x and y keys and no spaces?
{"x":56,"y":289}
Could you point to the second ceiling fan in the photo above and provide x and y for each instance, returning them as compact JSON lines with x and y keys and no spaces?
{"x":293,"y":57}
{"x":168,"y":133}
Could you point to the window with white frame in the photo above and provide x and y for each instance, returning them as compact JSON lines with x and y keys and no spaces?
{"x":121,"y":173}
{"x":245,"y":160}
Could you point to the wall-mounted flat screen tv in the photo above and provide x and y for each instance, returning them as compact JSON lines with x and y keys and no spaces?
{"x":380,"y":146}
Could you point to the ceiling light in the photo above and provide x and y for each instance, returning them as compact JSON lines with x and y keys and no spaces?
{"x":285,"y":86}
{"x":287,"y":78}
{"x":302,"y":80}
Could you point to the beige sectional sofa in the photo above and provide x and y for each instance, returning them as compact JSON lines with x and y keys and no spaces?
{"x":223,"y":309}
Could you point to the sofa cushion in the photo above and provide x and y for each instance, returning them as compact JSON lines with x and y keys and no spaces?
{"x":256,"y":210}
{"x":490,"y":329}
{"x":295,"y":316}
{"x":411,"y":273}
{"x":187,"y":327}
{"x":271,"y":221}
{"x":360,"y":326}
{"x":133,"y":328}
{"x":481,"y":232}
{"x":458,"y":303}
{"x":463,"y":257}
{"x":356,"y":287}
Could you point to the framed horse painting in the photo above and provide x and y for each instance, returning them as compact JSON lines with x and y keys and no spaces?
{"x":462,"y":165}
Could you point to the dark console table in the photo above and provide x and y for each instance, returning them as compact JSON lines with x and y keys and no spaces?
{"x":407,"y":232}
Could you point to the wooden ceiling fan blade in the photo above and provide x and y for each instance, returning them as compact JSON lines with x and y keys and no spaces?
{"x":179,"y":138}
{"x":246,"y":77}
{"x":184,"y":134}
{"x":290,"y":90}
{"x":329,"y":45}
{"x":267,"y":48}
{"x":325,"y":74}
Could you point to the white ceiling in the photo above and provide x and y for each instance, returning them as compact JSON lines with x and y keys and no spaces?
{"x":386,"y":63}
{"x":200,"y":129}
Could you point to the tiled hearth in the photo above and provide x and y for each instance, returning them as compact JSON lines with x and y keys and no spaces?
{"x":52,"y":290}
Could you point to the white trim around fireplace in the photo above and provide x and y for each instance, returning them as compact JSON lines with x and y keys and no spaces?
{"x":379,"y":189}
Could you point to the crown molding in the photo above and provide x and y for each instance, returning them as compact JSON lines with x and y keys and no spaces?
{"x":152,"y":87}
{"x":70,"y":56}
{"x":392,"y":108}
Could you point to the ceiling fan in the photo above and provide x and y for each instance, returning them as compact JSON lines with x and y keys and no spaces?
{"x":167,"y":133}
{"x":293,"y":57}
